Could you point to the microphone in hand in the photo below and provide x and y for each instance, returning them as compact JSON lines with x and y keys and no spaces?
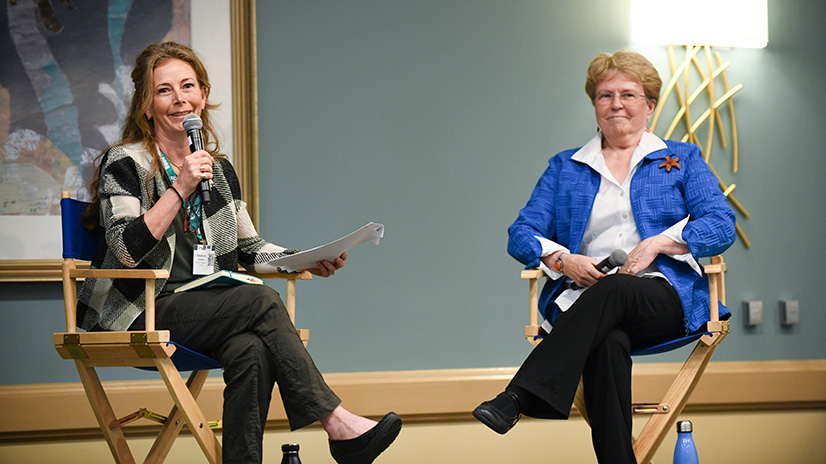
{"x":192,"y":126}
{"x":616,"y":259}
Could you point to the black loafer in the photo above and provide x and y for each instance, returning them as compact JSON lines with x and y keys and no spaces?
{"x":365,"y":448}
{"x":494,"y":418}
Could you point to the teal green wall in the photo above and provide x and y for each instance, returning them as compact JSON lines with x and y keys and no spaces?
{"x":436,"y":118}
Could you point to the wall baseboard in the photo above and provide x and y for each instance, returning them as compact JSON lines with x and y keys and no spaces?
{"x":61,"y":411}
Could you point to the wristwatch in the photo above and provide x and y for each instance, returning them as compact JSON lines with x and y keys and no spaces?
{"x":558,"y":262}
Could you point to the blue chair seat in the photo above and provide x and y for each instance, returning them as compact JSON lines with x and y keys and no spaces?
{"x":186,"y":360}
{"x":669,"y":345}
{"x":662,"y":347}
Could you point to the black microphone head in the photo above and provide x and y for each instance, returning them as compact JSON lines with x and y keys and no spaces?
{"x":192,"y":122}
{"x":617,"y":258}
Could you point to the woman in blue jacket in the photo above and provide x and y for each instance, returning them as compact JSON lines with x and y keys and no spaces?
{"x":624,"y":189}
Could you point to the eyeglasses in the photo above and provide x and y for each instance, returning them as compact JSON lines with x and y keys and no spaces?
{"x":625,"y":97}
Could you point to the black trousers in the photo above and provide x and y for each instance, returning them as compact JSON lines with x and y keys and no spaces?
{"x":593,"y":339}
{"x":248,"y":330}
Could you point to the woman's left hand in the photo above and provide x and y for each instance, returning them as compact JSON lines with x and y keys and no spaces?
{"x":327,"y":268}
{"x":643,"y":254}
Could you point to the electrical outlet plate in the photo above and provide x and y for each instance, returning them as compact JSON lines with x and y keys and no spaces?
{"x":790,"y":312}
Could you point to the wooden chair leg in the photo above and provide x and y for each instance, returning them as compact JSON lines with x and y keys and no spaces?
{"x":175,"y":421}
{"x":192,"y":413}
{"x":655,"y":430}
{"x":104,"y":414}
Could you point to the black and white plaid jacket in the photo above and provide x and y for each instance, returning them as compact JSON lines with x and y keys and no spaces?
{"x":125,"y":195}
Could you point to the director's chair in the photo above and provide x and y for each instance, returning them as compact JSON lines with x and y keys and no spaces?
{"x":147,"y":349}
{"x":665,"y":413}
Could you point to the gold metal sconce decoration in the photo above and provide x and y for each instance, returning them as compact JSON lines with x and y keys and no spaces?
{"x":715,"y":89}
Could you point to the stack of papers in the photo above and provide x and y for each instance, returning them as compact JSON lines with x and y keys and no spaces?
{"x":307,"y":259}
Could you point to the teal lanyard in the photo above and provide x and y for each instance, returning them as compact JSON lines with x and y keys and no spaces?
{"x":193,"y":209}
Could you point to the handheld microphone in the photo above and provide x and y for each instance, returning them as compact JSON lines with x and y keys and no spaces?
{"x":192,"y":126}
{"x":617,"y":258}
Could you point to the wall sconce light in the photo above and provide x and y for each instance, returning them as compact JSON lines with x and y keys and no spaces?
{"x":717,"y":23}
{"x":698,"y":25}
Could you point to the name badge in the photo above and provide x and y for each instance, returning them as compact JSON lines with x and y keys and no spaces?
{"x":203,"y":260}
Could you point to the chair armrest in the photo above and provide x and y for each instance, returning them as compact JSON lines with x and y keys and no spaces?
{"x":147,"y":275}
{"x":532,"y":273}
{"x":717,"y":292}
{"x":717,"y":265}
{"x":119,"y":273}
{"x":303,"y":275}
{"x":73,"y":235}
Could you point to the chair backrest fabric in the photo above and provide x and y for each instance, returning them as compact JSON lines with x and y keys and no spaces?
{"x":78,"y":241}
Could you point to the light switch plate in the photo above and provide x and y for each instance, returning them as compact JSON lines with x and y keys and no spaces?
{"x":753,"y":313}
{"x":790,"y":312}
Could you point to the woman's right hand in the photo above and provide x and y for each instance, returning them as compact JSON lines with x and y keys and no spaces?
{"x":580,"y":268}
{"x":196,"y":167}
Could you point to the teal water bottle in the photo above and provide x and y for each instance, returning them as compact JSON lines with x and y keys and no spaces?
{"x":685,"y":452}
{"x":290,"y":454}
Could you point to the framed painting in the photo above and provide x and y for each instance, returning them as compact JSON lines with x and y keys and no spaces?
{"x":64,"y":96}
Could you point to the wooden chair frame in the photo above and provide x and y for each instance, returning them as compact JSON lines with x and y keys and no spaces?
{"x":664,"y":414}
{"x":146,"y":348}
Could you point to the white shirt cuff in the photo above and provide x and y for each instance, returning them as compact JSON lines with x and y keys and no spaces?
{"x":675,"y":233}
{"x":549,"y":247}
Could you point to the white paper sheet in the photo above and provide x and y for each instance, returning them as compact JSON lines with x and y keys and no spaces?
{"x":306,"y":259}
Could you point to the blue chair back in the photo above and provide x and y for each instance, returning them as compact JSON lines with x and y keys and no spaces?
{"x":78,"y":241}
{"x":81,"y":243}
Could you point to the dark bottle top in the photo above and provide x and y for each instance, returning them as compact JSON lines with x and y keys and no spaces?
{"x":290,"y":454}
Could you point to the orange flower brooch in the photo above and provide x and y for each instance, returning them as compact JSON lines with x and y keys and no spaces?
{"x":670,"y":163}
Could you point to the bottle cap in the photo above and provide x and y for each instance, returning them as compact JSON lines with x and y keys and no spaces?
{"x":289,"y":448}
{"x":684,"y":426}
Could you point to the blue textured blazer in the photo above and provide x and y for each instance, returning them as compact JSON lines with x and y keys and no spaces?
{"x":561,"y":202}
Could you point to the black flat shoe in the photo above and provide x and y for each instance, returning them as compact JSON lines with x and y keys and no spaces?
{"x":365,"y":448}
{"x":494,"y":418}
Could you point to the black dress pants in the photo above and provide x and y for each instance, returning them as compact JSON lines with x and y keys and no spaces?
{"x":593,"y":339}
{"x":248,"y":330}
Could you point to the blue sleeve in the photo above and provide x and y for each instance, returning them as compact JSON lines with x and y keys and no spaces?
{"x":536,"y":218}
{"x":711,"y":226}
